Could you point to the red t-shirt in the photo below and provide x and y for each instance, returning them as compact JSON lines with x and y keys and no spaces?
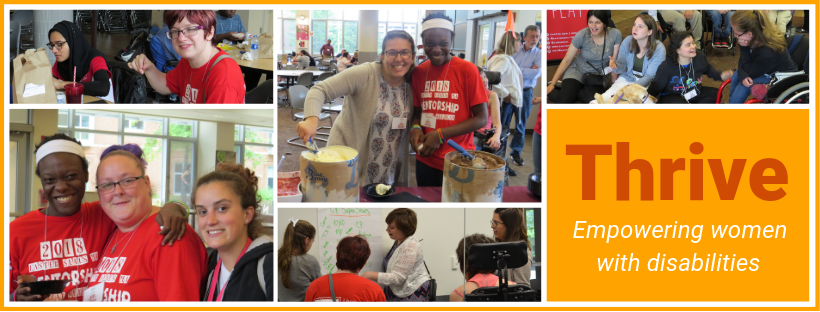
{"x":348,"y":288}
{"x":155,"y":273}
{"x":70,"y":249}
{"x":224,"y":84}
{"x":447,"y":93}
{"x":538,"y":123}
{"x":97,"y":64}
{"x":489,"y":115}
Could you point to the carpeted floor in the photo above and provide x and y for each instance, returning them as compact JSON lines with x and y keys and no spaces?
{"x":720,"y":59}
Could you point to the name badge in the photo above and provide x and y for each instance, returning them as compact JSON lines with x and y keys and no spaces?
{"x":607,"y":70}
{"x":428,"y":120}
{"x":689,"y":95}
{"x":399,"y":123}
{"x":94,"y":293}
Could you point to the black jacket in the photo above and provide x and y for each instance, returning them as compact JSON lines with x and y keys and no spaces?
{"x":671,"y":78}
{"x":763,"y":60}
{"x":244,"y":283}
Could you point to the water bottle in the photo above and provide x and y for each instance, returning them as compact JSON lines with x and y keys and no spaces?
{"x":255,"y":48}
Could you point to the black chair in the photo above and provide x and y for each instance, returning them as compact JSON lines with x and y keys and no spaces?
{"x":500,"y":257}
{"x":262,"y":94}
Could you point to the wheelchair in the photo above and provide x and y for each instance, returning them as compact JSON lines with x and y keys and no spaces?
{"x":709,"y":26}
{"x":787,"y":88}
{"x":500,"y":257}
{"x":481,"y":138}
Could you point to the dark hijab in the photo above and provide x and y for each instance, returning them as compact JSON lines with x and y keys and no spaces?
{"x":81,"y":52}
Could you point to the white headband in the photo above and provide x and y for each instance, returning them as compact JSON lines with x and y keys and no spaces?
{"x":57,"y":146}
{"x":437,"y":23}
{"x":292,"y":220}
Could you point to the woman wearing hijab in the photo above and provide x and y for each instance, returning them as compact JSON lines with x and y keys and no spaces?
{"x":73,"y":52}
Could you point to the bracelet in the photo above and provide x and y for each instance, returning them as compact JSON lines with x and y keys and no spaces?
{"x":183,"y":206}
{"x":440,"y":136}
{"x":415,"y":127}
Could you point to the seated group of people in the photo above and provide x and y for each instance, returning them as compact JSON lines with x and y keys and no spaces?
{"x":204,"y":74}
{"x":109,"y":250}
{"x":405,"y":276}
{"x":303,"y":60}
{"x":673,"y":74}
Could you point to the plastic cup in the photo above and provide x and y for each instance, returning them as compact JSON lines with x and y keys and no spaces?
{"x":74,"y":93}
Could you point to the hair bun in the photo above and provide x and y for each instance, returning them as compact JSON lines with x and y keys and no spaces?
{"x":131,"y":148}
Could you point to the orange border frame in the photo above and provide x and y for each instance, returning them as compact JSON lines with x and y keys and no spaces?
{"x":473,"y":2}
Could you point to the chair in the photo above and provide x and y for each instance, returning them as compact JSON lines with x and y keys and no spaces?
{"x":26,"y":20}
{"x":305,"y":79}
{"x":262,"y":94}
{"x":289,"y":67}
{"x":501,"y":257}
{"x":297,"y":96}
{"x":312,"y":68}
{"x":324,"y":76}
{"x":14,"y":41}
{"x":334,"y":68}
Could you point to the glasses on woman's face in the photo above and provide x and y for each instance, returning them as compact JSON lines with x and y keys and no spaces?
{"x":126,"y":183}
{"x":494,"y":223}
{"x":405,"y":54}
{"x":741,"y":35}
{"x":187,"y":32}
{"x":58,"y":44}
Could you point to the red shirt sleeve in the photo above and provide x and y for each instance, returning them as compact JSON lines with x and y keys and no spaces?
{"x":97,"y":64}
{"x":475,"y":86}
{"x":225,"y":84}
{"x":172,"y":77}
{"x":179,"y":269}
{"x":55,"y":73}
{"x":418,"y":87}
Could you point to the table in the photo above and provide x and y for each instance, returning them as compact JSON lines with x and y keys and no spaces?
{"x":253,"y":69}
{"x":88,"y":99}
{"x":512,"y":194}
{"x":291,"y":75}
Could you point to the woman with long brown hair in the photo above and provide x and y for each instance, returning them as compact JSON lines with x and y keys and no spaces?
{"x":474,"y":278}
{"x":763,"y":52}
{"x":509,"y":226}
{"x":297,"y":269}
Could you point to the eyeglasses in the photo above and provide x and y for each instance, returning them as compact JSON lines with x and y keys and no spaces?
{"x":494,"y":223}
{"x":58,"y":44}
{"x":188,"y":32}
{"x":741,"y":35}
{"x":126,"y":183}
{"x":404,"y":54}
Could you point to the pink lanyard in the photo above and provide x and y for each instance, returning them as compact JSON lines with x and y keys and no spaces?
{"x":218,"y":268}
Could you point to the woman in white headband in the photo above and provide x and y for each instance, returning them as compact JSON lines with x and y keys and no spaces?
{"x":229,"y":219}
{"x":449,"y":99}
{"x":297,"y":269}
{"x":65,"y":239}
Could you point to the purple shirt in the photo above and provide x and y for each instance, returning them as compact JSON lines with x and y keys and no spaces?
{"x":327,"y":49}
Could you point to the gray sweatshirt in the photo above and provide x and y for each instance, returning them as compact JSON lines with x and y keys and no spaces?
{"x":303,"y":270}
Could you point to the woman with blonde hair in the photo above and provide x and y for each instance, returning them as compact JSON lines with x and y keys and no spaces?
{"x":763,"y":52}
{"x":509,"y":226}
{"x":511,"y":88}
{"x":297,"y":269}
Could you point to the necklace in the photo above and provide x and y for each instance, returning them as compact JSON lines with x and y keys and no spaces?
{"x":119,"y":241}
{"x":210,"y":58}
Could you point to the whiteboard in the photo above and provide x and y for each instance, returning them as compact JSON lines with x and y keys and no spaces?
{"x":337,"y":223}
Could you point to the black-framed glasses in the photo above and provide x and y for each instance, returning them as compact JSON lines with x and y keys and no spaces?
{"x":741,"y":35}
{"x":188,"y":32}
{"x":126,"y":183}
{"x":58,"y":44}
{"x":494,"y":223}
{"x":405,"y":54}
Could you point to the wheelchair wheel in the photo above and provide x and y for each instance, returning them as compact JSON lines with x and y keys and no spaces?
{"x":791,"y":92}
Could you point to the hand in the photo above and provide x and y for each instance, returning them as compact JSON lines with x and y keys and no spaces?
{"x":141,"y":64}
{"x":508,"y":98}
{"x":172,"y":222}
{"x":58,"y":84}
{"x":723,"y":11}
{"x":24,"y":293}
{"x":373,"y":276}
{"x":748,"y":82}
{"x":612,"y":64}
{"x":307,"y":128}
{"x":431,"y":143}
{"x":495,"y":141}
{"x":659,"y":26}
{"x":415,"y":136}
{"x":688,"y":14}
{"x":550,"y":88}
{"x":536,"y":100}
{"x":535,"y":66}
{"x":726,"y":75}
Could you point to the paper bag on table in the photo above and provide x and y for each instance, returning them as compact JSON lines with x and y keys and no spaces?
{"x":265,"y":46}
{"x":32,"y":78}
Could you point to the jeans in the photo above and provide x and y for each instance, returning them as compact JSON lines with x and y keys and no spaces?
{"x":521,"y":115}
{"x":428,"y":176}
{"x":722,"y":23}
{"x":507,"y":111}
{"x":738,"y":92}
{"x":536,"y":154}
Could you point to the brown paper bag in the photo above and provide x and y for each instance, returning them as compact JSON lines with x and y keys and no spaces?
{"x":265,"y":46}
{"x":32,"y":78}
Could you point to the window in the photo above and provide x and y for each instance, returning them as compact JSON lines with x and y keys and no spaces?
{"x":271,"y":176}
{"x":532,"y":217}
{"x":134,"y":125}
{"x":340,"y":26}
{"x":286,"y":20}
{"x":84,"y":121}
{"x":254,"y":150}
{"x":406,"y":20}
{"x":179,"y":169}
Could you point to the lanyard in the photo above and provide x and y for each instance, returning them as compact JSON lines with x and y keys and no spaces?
{"x":218,"y":268}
